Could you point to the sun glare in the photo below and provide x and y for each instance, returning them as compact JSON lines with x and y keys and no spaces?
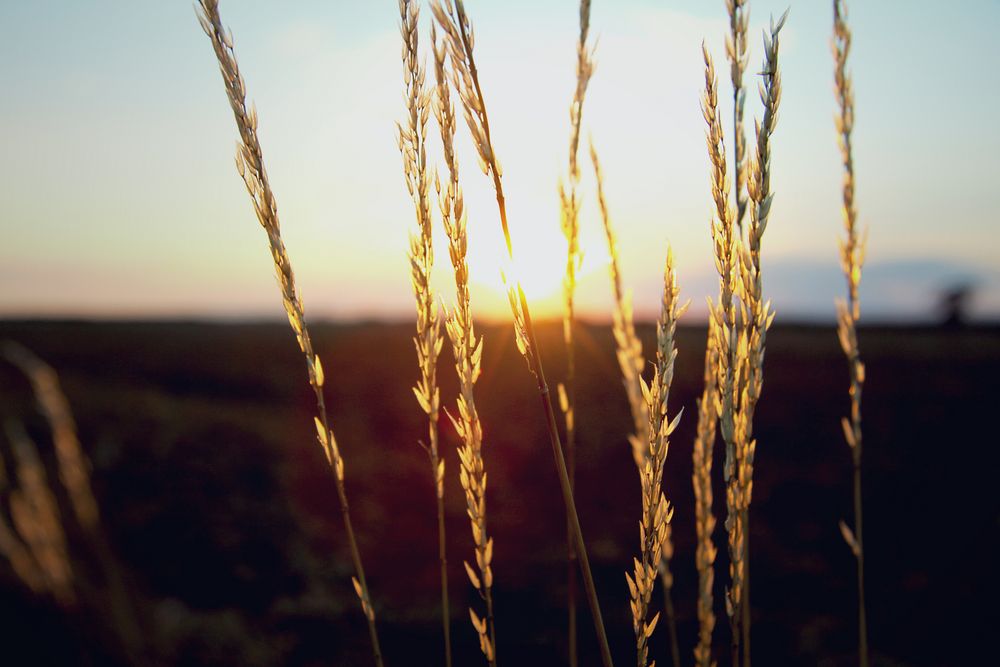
{"x":539,"y":264}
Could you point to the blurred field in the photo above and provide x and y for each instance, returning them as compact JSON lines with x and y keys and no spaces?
{"x":219,"y":502}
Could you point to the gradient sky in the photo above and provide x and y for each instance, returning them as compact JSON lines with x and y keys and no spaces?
{"x":120,"y":197}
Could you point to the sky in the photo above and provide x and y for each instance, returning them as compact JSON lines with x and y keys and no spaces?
{"x":120,"y":197}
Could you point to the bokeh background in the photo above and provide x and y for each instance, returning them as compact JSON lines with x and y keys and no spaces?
{"x":131,"y":262}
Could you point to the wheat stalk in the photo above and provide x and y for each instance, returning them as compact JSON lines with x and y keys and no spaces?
{"x":631,"y":362}
{"x":461,"y":40}
{"x":74,"y":472}
{"x":723,"y":312}
{"x":736,"y":52}
{"x":36,"y":547}
{"x":705,"y":551}
{"x":250,"y":164}
{"x":756,"y":313}
{"x":852,"y":257}
{"x":18,"y":553}
{"x":570,"y":220}
{"x":628,"y":346}
{"x":74,"y":469}
{"x":428,"y":341}
{"x":656,"y":511}
{"x":468,"y":351}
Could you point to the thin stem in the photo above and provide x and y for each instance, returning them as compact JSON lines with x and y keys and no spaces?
{"x":359,"y":569}
{"x":852,"y":253}
{"x":746,"y":587}
{"x":668,"y":607}
{"x":455,"y":23}
{"x":443,"y":558}
{"x":250,"y":164}
{"x":862,"y":623}
{"x":567,"y":489}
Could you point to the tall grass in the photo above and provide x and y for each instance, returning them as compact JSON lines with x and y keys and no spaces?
{"x":656,"y":511}
{"x":756,"y":311}
{"x":36,"y":544}
{"x":701,"y":477}
{"x":569,"y":201}
{"x":852,"y":257}
{"x":736,"y":52}
{"x":428,"y":341}
{"x":457,"y":28}
{"x":741,"y":340}
{"x":250,"y":164}
{"x":631,"y":362}
{"x":468,"y":352}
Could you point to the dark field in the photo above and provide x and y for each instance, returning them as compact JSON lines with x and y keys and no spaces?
{"x":220,"y":507}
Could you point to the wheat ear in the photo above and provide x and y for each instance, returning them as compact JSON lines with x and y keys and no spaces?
{"x":250,"y":164}
{"x":701,"y":478}
{"x":16,"y":550}
{"x":628,"y":347}
{"x":468,"y":352}
{"x":852,"y":257}
{"x":723,"y":312}
{"x":74,"y":469}
{"x":631,"y":362}
{"x":757,"y":313}
{"x":36,"y":545}
{"x":736,"y":52}
{"x":74,"y":472}
{"x":428,"y":341}
{"x":569,"y":201}
{"x":656,"y":511}
{"x":458,"y":34}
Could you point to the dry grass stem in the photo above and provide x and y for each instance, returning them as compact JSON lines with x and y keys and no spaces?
{"x":656,"y":511}
{"x":74,"y":469}
{"x":569,"y":200}
{"x":74,"y":472}
{"x":627,"y":343}
{"x":631,"y":362}
{"x":412,"y":139}
{"x":705,"y":551}
{"x":35,"y":543}
{"x":723,"y":313}
{"x":468,"y":351}
{"x":756,"y":313}
{"x":852,"y":257}
{"x":460,"y":40}
{"x":250,"y":164}
{"x":736,"y":53}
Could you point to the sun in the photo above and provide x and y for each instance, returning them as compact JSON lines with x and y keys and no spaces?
{"x":539,"y":264}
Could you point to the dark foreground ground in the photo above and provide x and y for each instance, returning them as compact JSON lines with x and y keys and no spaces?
{"x":218,"y":504}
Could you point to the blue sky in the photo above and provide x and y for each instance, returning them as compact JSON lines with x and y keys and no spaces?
{"x":121,"y":199}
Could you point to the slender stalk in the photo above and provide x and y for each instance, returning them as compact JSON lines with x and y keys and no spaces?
{"x":570,"y":217}
{"x":74,"y":472}
{"x":631,"y":362}
{"x":250,"y":164}
{"x":757,"y":313}
{"x":428,"y":341}
{"x":723,"y":312}
{"x":736,"y":52}
{"x":455,"y":23}
{"x":468,"y":351}
{"x":704,"y":518}
{"x":852,"y":252}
